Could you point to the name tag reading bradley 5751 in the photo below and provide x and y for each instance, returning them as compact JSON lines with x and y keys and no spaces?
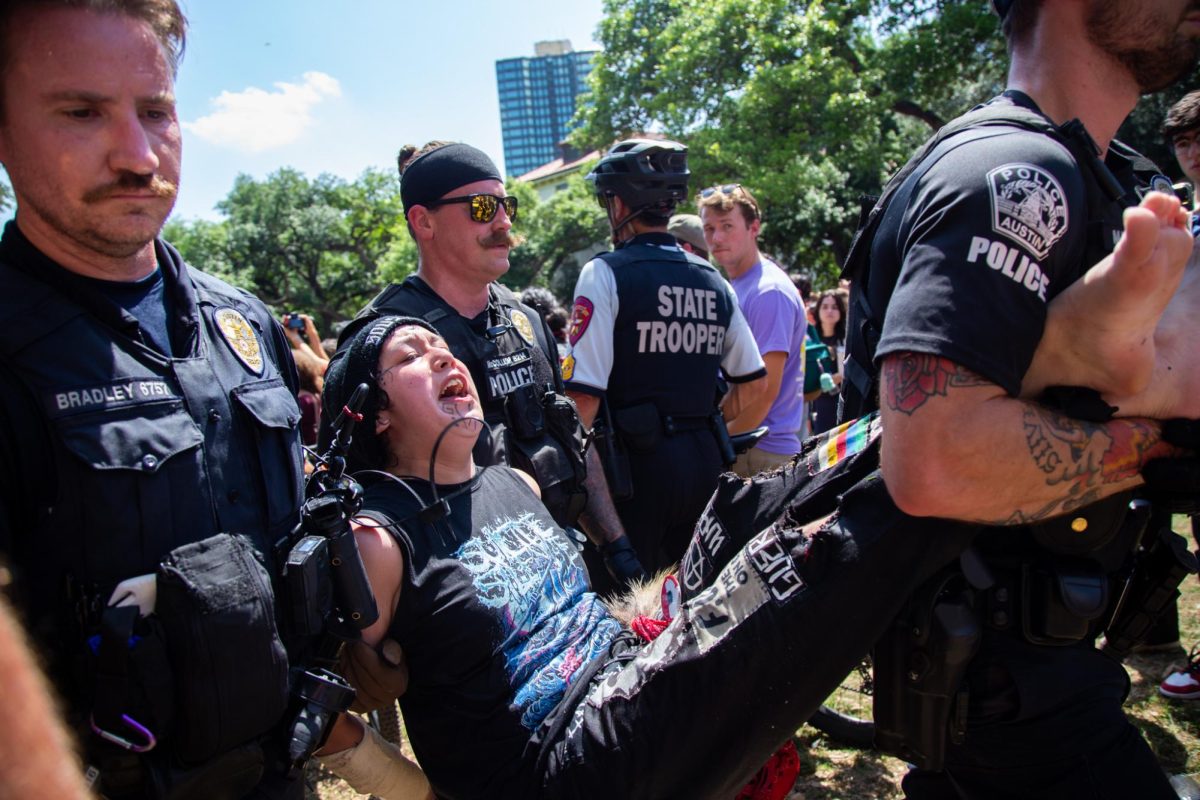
{"x":108,"y":396}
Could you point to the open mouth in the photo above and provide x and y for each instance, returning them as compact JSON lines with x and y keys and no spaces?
{"x":454,"y":388}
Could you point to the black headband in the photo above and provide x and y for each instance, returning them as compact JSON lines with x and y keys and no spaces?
{"x":430,"y":176}
{"x":357,"y":362}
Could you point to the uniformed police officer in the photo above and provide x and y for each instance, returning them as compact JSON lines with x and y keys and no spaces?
{"x":652,"y":329}
{"x":461,"y":218}
{"x":146,"y":407}
{"x":992,"y":224}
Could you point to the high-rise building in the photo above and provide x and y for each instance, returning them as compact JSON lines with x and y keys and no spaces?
{"x":537,"y":102}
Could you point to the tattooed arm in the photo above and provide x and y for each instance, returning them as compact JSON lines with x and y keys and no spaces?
{"x":957,"y":446}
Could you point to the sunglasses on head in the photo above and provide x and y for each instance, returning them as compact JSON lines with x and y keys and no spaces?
{"x":483,"y":207}
{"x":728,"y":189}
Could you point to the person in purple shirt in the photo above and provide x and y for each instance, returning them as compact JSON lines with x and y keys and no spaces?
{"x":769,"y":302}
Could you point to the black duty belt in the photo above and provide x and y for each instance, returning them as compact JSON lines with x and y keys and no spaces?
{"x":678,"y":424}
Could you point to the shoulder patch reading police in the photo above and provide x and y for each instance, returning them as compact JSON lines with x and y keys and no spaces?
{"x":241,"y":338}
{"x":1028,"y":206}
{"x":521,"y":322}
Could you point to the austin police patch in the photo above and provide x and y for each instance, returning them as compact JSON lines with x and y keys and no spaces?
{"x":1028,"y":206}
{"x":241,"y":338}
{"x":521,"y":322}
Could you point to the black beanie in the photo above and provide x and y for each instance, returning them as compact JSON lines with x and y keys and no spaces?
{"x":358,"y":362}
{"x":431,"y":175}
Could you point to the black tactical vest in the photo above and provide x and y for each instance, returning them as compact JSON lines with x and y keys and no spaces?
{"x":148,"y":452}
{"x":513,"y":361}
{"x":674,"y":310}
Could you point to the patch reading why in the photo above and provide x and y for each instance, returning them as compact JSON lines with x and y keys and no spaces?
{"x":1028,"y":206}
{"x":240,"y":337}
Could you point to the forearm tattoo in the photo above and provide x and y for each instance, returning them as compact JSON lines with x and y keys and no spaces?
{"x":1082,"y":457}
{"x":1078,"y":458}
{"x":910,"y":379}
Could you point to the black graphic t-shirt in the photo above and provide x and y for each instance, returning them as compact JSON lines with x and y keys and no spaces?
{"x":496,"y":619}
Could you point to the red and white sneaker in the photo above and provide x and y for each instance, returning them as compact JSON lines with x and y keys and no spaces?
{"x":1184,"y":685}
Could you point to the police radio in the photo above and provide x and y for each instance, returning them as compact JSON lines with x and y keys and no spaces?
{"x":329,"y":595}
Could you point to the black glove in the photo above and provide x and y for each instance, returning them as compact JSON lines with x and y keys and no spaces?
{"x":622,"y":562}
{"x":1174,"y":483}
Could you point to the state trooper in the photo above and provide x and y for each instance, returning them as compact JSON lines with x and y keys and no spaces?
{"x":652,"y":330}
{"x":148,"y":413}
{"x":461,"y":218}
{"x":955,"y":283}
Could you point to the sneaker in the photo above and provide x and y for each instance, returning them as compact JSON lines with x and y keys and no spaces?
{"x":1184,"y":685}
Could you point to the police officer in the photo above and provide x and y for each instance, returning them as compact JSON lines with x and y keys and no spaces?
{"x":652,"y":329}
{"x":461,"y":218}
{"x":1005,"y":210}
{"x":147,"y":406}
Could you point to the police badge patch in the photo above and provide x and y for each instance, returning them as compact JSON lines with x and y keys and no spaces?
{"x":241,"y":338}
{"x":521,"y":322}
{"x":1028,"y":206}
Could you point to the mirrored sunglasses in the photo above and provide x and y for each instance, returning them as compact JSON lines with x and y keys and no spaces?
{"x":483,"y":207}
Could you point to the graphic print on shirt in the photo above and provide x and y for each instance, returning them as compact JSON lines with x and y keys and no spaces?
{"x":552,"y":625}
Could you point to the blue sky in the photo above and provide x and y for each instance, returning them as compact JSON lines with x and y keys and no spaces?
{"x":339,"y":85}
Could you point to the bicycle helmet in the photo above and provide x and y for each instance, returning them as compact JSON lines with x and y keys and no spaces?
{"x":646,"y":174}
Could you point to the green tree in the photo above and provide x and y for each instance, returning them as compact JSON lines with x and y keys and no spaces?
{"x":205,"y":245}
{"x":313,"y":245}
{"x":810,"y":104}
{"x":567,"y":225}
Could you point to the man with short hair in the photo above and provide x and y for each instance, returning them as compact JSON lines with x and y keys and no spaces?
{"x":147,"y":410}
{"x":653,"y":326}
{"x":732,"y":222}
{"x":1181,"y":129}
{"x":1003,"y":213}
{"x":461,"y":217}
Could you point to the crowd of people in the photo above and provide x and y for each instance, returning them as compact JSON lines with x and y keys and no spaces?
{"x":573,"y":582}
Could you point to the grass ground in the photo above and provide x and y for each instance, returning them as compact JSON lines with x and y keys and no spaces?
{"x":832,"y":772}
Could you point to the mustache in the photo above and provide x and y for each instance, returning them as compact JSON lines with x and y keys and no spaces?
{"x":499,"y":238}
{"x":156,"y":185}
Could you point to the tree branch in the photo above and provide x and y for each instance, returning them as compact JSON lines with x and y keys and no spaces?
{"x":911,"y":109}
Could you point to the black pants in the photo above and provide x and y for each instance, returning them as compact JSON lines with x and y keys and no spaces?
{"x":773,"y":624}
{"x":1045,"y":722}
{"x":672,"y":483}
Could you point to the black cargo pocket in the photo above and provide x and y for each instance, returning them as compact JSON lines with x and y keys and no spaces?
{"x":231,"y":672}
{"x":640,"y":426}
{"x":140,"y":437}
{"x":136,"y":459}
{"x":275,"y":418}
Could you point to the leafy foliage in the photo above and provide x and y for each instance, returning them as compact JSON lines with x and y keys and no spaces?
{"x":809,"y":104}
{"x":568,"y":224}
{"x":323,"y":246}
